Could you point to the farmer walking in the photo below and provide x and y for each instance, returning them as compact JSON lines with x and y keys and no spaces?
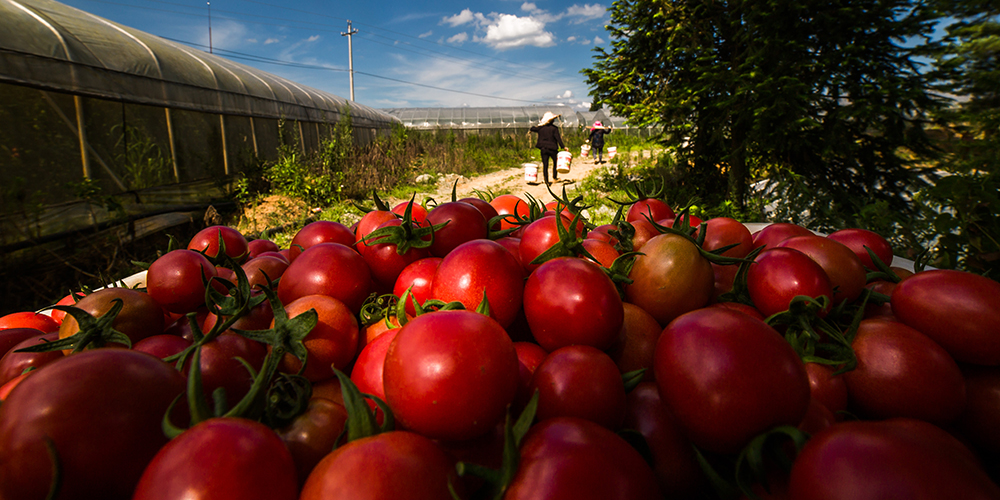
{"x":549,"y":143}
{"x":597,"y":133}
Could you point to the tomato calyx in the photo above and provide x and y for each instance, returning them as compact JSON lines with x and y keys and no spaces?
{"x":430,"y":305}
{"x":814,"y":338}
{"x":767,"y":445}
{"x":682,"y":227}
{"x":94,"y":332}
{"x":361,"y":420}
{"x":535,"y":210}
{"x":379,"y":204}
{"x":637,"y":191}
{"x":405,"y":235}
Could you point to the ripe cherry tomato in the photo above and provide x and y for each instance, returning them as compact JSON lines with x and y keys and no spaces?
{"x":857,"y":239}
{"x":775,"y":233}
{"x":176,"y":280}
{"x":538,"y":237}
{"x":313,"y":434}
{"x":450,"y":374}
{"x":568,"y":300}
{"x":368,"y":369}
{"x":780,"y":274}
{"x":14,"y":363}
{"x":260,"y":245}
{"x":580,"y":381}
{"x":417,"y":277}
{"x":649,"y":209}
{"x":509,"y":204}
{"x":141,"y":316}
{"x":724,"y":231}
{"x":477,"y":268}
{"x":261,"y":271}
{"x":670,"y":278}
{"x":846,"y":272}
{"x":206,"y":241}
{"x":633,"y":349}
{"x":385,"y":261}
{"x":29,"y":319}
{"x":332,"y":343}
{"x":828,"y":389}
{"x":331,"y":269}
{"x":718,"y":352}
{"x":464,"y":223}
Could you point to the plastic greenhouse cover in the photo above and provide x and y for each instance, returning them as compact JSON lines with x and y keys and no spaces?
{"x":50,"y":45}
{"x":496,"y":117}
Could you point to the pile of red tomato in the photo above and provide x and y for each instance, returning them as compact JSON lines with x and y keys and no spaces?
{"x":502,"y":349}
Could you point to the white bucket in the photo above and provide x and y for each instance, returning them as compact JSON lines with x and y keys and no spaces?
{"x":530,"y":172}
{"x":584,"y":150}
{"x":562,"y":161}
{"x":612,"y":151}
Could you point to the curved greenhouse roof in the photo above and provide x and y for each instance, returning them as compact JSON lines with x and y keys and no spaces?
{"x":497,"y":117}
{"x":52,"y":46}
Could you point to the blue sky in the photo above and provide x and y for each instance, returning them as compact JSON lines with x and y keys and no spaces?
{"x":406,"y":53}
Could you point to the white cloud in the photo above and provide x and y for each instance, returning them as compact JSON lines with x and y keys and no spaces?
{"x":251,"y":40}
{"x":464,"y":17}
{"x":458,"y":38}
{"x":530,"y":7}
{"x":269,"y":41}
{"x":583,"y":13}
{"x":312,"y":38}
{"x":565,"y":95}
{"x":598,"y":40}
{"x":425,"y":35}
{"x":508,"y":31}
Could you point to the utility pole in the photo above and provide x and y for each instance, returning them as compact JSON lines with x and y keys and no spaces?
{"x":209,"y":26}
{"x":350,"y":54}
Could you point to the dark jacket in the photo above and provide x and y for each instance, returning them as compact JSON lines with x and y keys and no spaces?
{"x":597,"y":137}
{"x":548,"y":137}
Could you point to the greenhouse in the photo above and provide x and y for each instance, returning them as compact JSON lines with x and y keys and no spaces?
{"x":99,"y":121}
{"x":503,"y":120}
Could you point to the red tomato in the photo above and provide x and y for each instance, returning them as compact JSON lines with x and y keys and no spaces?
{"x":775,"y":233}
{"x":221,"y":458}
{"x":538,"y":237}
{"x":385,"y":261}
{"x":649,"y":209}
{"x":780,"y":274}
{"x":29,"y":319}
{"x":529,"y":356}
{"x":140,"y":317}
{"x":509,"y":204}
{"x":898,"y":458}
{"x":260,"y":245}
{"x":207,"y":240}
{"x":261,"y":271}
{"x":579,"y":381}
{"x":368,"y":369}
{"x":484,"y":207}
{"x":68,"y":300}
{"x":903,"y":373}
{"x":982,"y":407}
{"x":958,"y":310}
{"x":163,"y":345}
{"x":568,"y":300}
{"x":175,"y":280}
{"x":601,"y":233}
{"x":332,"y":343}
{"x":14,"y":363}
{"x":450,"y":374}
{"x":370,"y":221}
{"x":633,"y":349}
{"x":604,"y":253}
{"x":418,"y":277}
{"x":846,"y":272}
{"x":673,"y":456}
{"x":481,"y":268}
{"x":465,"y":223}
{"x":725,"y":231}
{"x":331,"y":269}
{"x":321,"y":231}
{"x":718,"y":352}
{"x":825,"y":387}
{"x":409,"y":466}
{"x":221,"y":367}
{"x":312,"y":435}
{"x":74,"y":402}
{"x":670,"y":278}
{"x":644,"y":230}
{"x":857,"y":239}
{"x":743,"y":308}
{"x":418,"y":213}
{"x":10,"y":337}
{"x":568,"y":458}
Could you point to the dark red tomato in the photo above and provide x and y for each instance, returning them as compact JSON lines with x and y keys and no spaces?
{"x":73,"y":402}
{"x":568,"y":300}
{"x":281,"y":254}
{"x":332,"y":343}
{"x":649,"y":209}
{"x":321,"y":231}
{"x":140,"y":317}
{"x":464,"y":223}
{"x":450,"y":374}
{"x":221,"y":367}
{"x":259,"y":317}
{"x":385,"y":261}
{"x":880,"y":310}
{"x":725,"y":231}
{"x":10,"y":337}
{"x":743,"y":308}
{"x":261,"y":271}
{"x":898,"y":458}
{"x":780,"y":274}
{"x":29,"y":319}
{"x":846,"y":272}
{"x":176,"y":280}
{"x":410,"y":466}
{"x":817,"y":418}
{"x":673,"y":457}
{"x":484,"y":207}
{"x":825,"y":387}
{"x":329,"y":269}
{"x":260,"y":245}
{"x":982,"y":407}
{"x":418,"y":277}
{"x":538,"y":237}
{"x":206,"y":241}
{"x":958,"y":310}
{"x":368,"y":368}
{"x":857,"y":239}
{"x":725,"y":278}
{"x":772,"y":234}
{"x":718,"y":352}
{"x":509,"y":204}
{"x":221,"y":458}
{"x":225,"y":274}
{"x":568,"y":458}
{"x":903,"y":373}
{"x":670,"y":278}
{"x":633,"y":349}
{"x":693,"y":221}
{"x":529,"y":356}
{"x":481,"y":268}
{"x":418,"y":213}
{"x":601,"y":233}
{"x":14,"y":363}
{"x":371,"y":221}
{"x":604,"y":253}
{"x":162,"y":345}
{"x":513,"y":245}
{"x":580,"y":381}
{"x":644,"y":230}
{"x":313,"y":434}
{"x":552,"y":207}
{"x":68,"y":300}
{"x":11,"y":384}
